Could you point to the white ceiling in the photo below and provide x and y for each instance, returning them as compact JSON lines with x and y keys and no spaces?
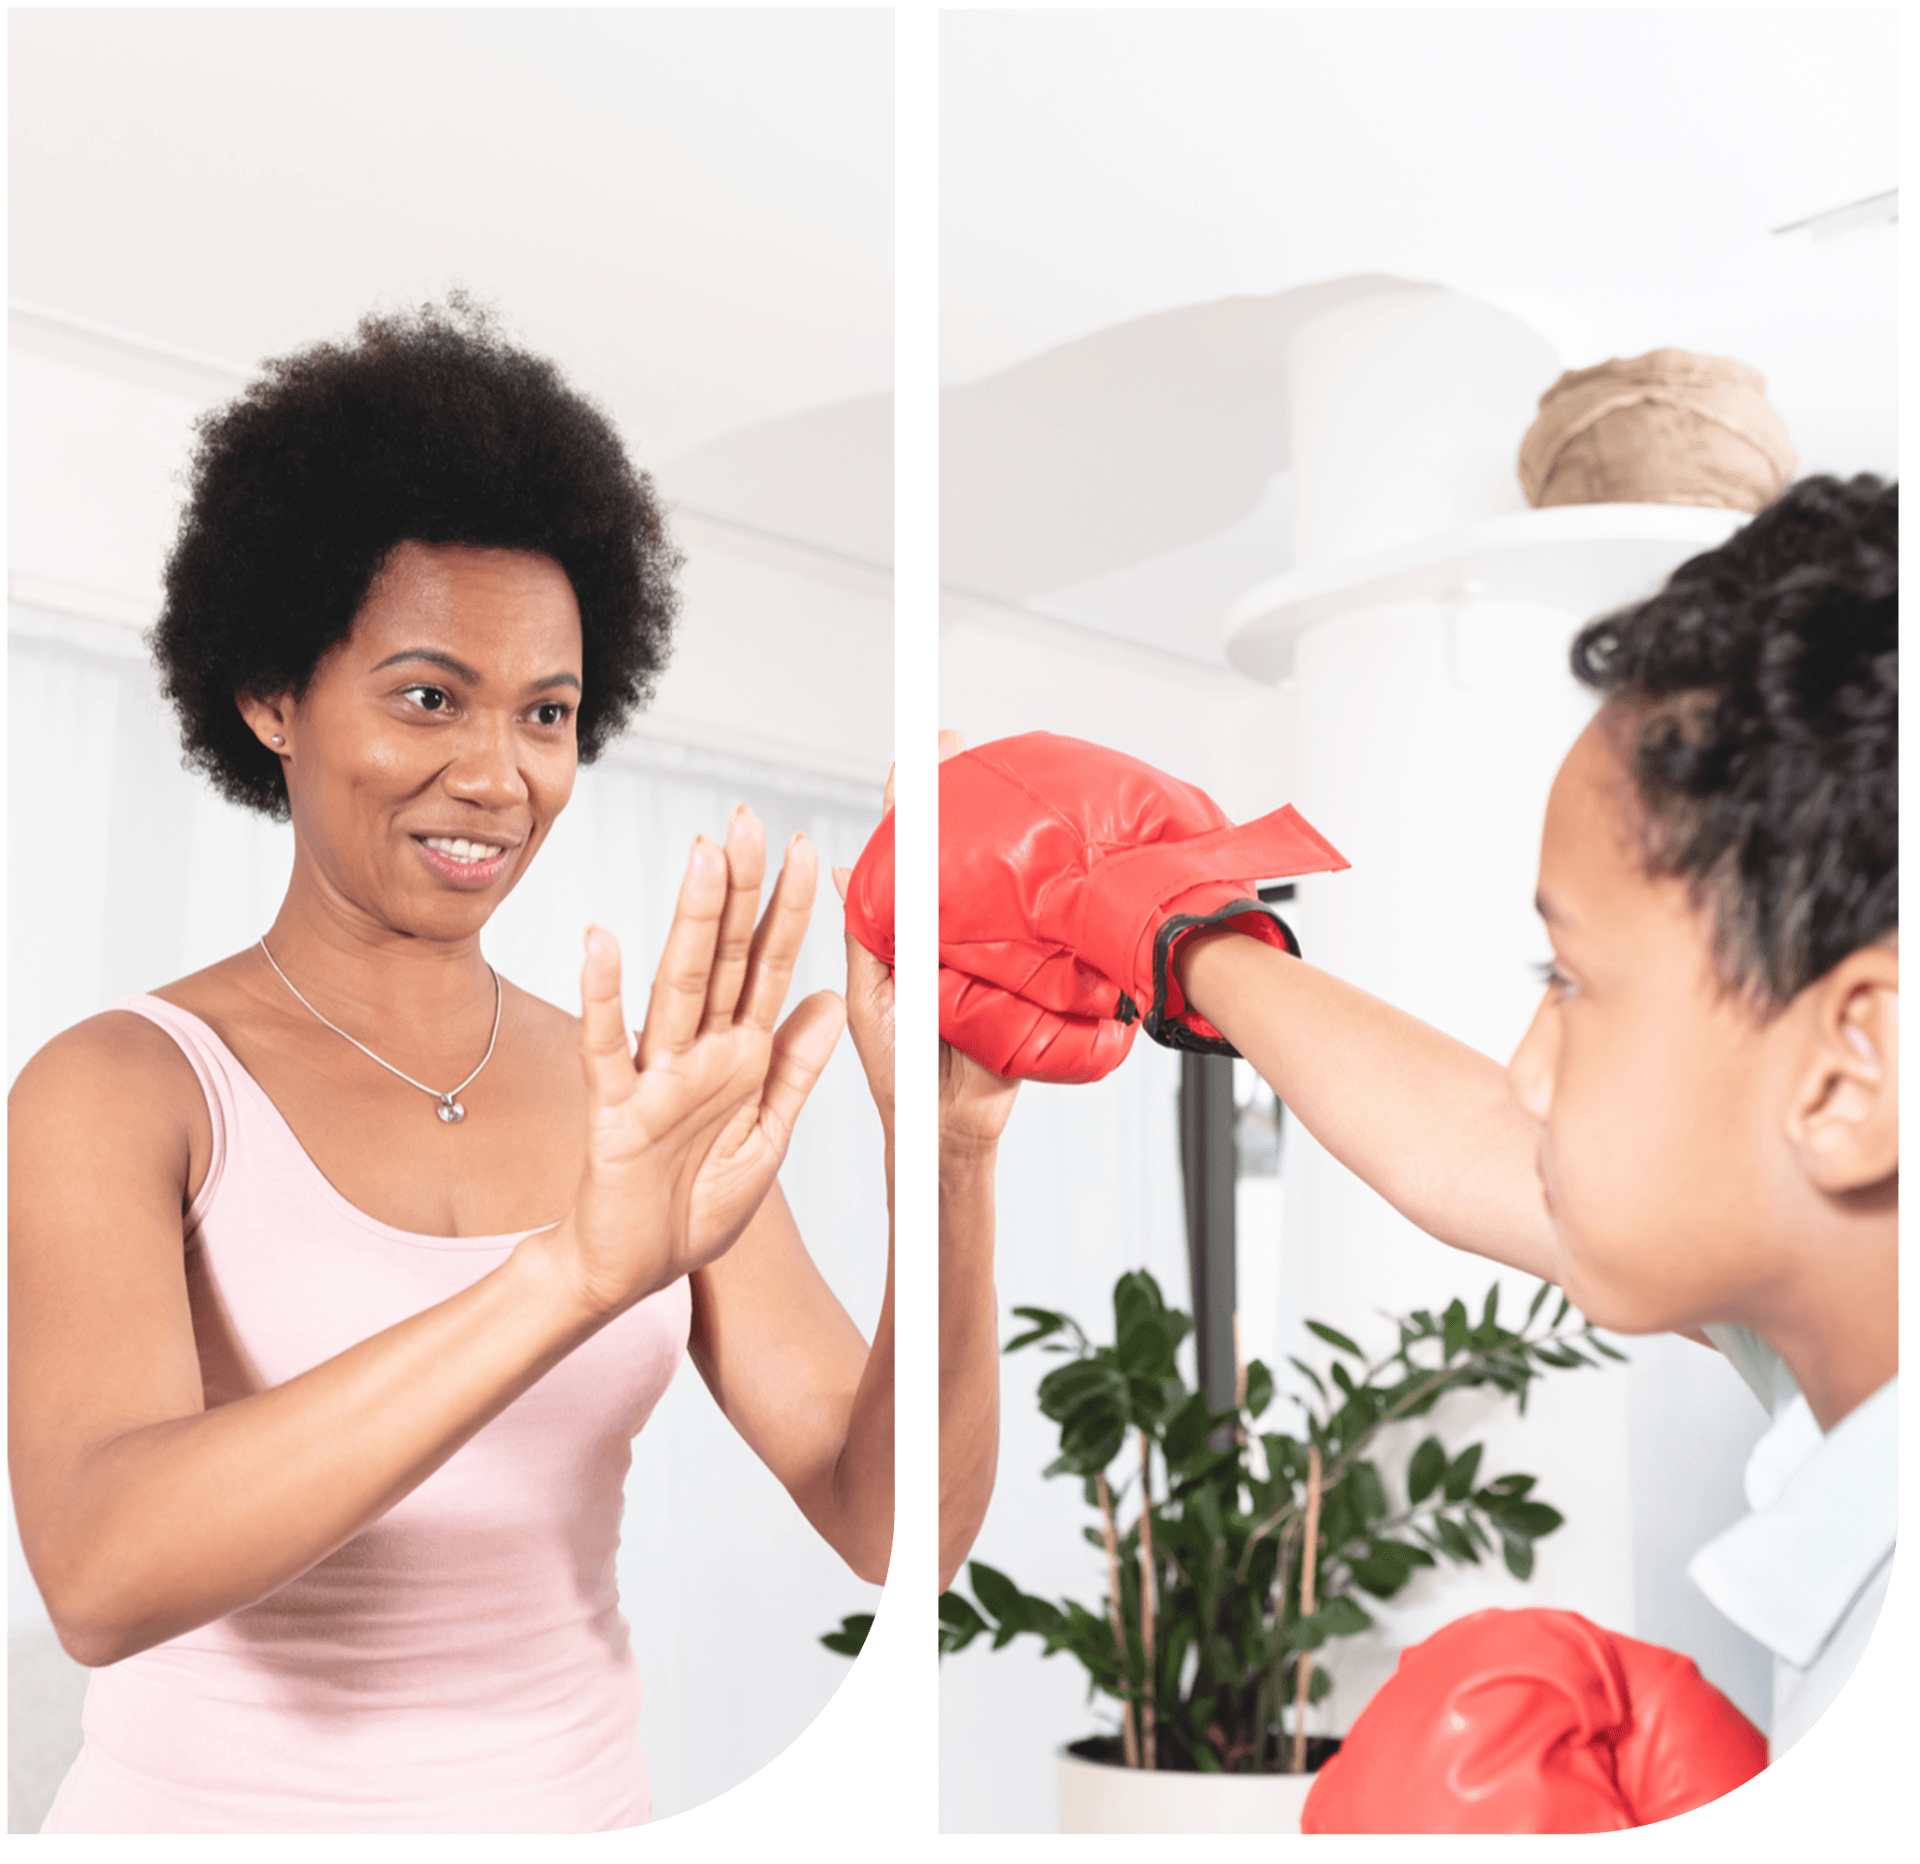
{"x":1135,"y":205}
{"x":691,"y":209}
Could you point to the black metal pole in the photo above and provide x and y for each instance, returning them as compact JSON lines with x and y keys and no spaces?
{"x":1208,"y":1165}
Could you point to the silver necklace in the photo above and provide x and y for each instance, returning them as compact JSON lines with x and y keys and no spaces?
{"x":449,"y":1108}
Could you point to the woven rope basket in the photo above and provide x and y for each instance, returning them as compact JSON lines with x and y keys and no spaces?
{"x":1667,"y":428}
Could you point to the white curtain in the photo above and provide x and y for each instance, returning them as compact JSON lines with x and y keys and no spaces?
{"x":126,"y":872}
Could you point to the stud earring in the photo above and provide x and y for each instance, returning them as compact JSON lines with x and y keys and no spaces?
{"x":278,"y":739}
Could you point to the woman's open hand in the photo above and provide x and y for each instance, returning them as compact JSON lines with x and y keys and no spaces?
{"x":685,"y":1135}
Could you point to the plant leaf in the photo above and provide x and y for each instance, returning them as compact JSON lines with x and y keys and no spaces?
{"x":1259,"y":1388}
{"x":1301,"y":1366}
{"x":1531,"y":1519}
{"x":1425,"y":1471}
{"x":1334,"y":1338}
{"x":1539,"y":1300}
{"x":1460,"y":1473}
{"x":1518,"y":1554}
{"x":1492,"y":1307}
{"x":1368,"y":1492}
{"x":1045,"y":1323}
{"x":851,"y":1638}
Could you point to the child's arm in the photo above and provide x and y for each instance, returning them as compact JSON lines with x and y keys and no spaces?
{"x":1429,"y":1123}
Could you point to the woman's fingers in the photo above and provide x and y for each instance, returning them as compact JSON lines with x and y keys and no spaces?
{"x":801,"y":1048}
{"x":746,"y":852}
{"x":776,"y":945}
{"x":678,"y":1000}
{"x":603,"y":1027}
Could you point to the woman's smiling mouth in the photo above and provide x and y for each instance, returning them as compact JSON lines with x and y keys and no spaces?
{"x":466,"y":863}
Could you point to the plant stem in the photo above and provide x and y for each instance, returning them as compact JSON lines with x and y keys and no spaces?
{"x":1129,"y":1741}
{"x":1148,"y":1604}
{"x":1283,"y":1571}
{"x":1303,"y":1666}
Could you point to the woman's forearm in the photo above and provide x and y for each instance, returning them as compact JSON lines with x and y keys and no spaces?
{"x":1429,"y":1123}
{"x":862,"y":1527}
{"x":171,"y":1525}
{"x":969,"y":1350}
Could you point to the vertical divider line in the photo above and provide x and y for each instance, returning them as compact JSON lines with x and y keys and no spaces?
{"x":909,"y":1606}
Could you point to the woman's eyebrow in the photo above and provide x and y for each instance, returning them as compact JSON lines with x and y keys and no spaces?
{"x":460,"y":670}
{"x":434,"y":658}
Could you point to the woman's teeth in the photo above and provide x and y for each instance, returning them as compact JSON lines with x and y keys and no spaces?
{"x":462,"y":849}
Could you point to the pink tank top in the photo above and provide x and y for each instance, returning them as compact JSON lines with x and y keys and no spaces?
{"x":462,"y":1665}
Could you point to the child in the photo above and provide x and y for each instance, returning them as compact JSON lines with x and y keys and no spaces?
{"x":1700,"y":1129}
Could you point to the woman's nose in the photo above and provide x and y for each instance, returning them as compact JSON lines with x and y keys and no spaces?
{"x":486,"y":767}
{"x":1532,"y":1068}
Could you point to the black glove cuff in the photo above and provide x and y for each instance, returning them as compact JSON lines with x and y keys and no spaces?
{"x":1175,"y":1034}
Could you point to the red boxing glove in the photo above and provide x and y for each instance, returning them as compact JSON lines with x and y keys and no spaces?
{"x":870,"y":893}
{"x":1023,"y":1042}
{"x":1004,"y":1033}
{"x":1067,"y":872}
{"x":1533,"y":1721}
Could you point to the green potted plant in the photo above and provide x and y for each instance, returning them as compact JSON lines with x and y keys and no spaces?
{"x":1250,"y":1550}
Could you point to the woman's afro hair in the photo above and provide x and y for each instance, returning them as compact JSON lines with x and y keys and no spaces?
{"x":1764,"y":680}
{"x":429,"y":428}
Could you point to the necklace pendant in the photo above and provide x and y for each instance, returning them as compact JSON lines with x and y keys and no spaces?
{"x":451,"y":1110}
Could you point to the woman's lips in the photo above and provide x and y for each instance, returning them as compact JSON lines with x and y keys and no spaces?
{"x":463,"y":862}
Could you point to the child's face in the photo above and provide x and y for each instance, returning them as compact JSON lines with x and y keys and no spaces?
{"x":1650,"y":1082}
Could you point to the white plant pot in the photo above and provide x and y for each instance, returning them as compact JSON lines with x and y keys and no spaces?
{"x":1095,"y":1797}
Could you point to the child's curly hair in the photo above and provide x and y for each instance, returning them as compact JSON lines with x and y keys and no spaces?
{"x":1764,"y":682}
{"x":429,"y":428}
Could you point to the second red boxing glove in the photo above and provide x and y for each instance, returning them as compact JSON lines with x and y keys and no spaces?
{"x":1533,"y":1721}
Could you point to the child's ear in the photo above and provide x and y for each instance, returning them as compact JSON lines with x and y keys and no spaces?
{"x":1843,"y":1120}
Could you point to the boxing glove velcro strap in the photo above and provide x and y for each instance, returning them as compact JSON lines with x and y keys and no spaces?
{"x":1195,"y":1034}
{"x":1122,"y":905}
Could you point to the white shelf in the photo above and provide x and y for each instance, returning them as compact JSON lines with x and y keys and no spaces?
{"x":1580,"y":559}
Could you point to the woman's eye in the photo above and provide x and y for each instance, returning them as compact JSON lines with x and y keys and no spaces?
{"x":427,"y":698}
{"x":553,"y":712}
{"x":1551,"y":975}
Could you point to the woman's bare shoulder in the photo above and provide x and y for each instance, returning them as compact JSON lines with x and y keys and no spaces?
{"x":119,"y":1079}
{"x":112,"y":1088}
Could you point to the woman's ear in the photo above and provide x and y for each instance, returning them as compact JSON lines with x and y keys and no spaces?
{"x":1843,"y":1119}
{"x":268,"y":718}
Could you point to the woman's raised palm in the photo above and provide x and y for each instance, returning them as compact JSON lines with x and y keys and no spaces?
{"x":685,"y":1133}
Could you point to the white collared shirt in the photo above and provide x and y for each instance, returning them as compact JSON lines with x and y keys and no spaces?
{"x":1806,"y":1571}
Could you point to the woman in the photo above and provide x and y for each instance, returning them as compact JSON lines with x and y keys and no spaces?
{"x":339,"y":1285}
